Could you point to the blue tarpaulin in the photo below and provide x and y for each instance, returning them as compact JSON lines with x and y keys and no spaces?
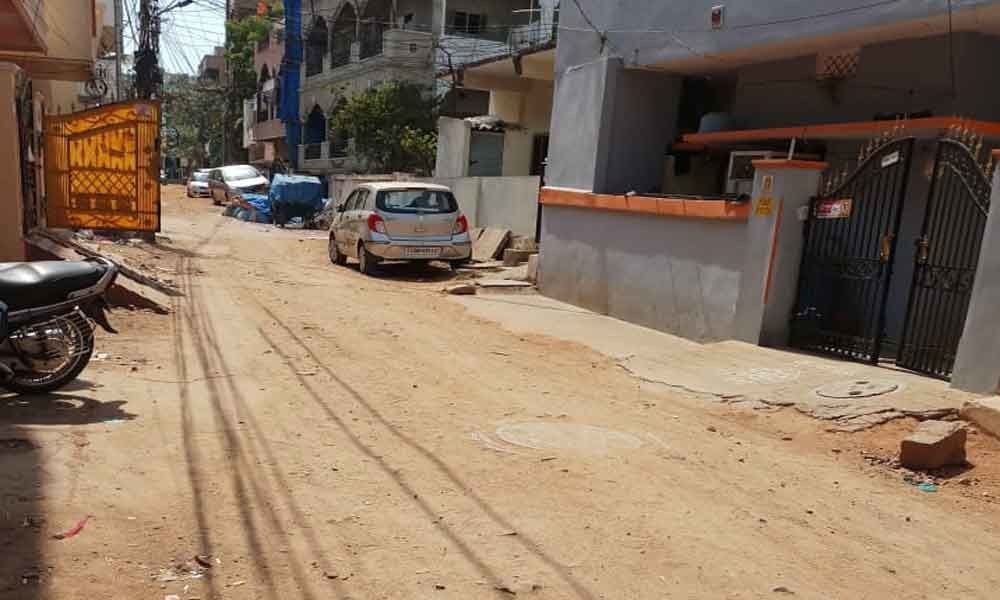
{"x":261,"y":205}
{"x":300,"y":191}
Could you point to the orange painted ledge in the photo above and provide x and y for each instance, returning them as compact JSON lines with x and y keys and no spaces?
{"x":648,"y":205}
{"x":779,"y":163}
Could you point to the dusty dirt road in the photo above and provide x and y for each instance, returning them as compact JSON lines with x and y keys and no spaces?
{"x":307,"y":432}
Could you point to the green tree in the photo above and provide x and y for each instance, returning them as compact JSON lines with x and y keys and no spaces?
{"x":241,"y":39}
{"x":192,"y":118}
{"x":394,"y":126}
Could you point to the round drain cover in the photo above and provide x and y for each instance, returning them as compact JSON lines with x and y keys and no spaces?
{"x":857,"y":388}
{"x":567,"y":436}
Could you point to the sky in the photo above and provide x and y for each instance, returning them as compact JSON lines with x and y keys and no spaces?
{"x":188,"y":33}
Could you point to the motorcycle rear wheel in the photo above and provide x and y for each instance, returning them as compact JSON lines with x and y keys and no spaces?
{"x":77,"y":337}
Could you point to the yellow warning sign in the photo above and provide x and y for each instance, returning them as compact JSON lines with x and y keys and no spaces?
{"x":765,"y":206}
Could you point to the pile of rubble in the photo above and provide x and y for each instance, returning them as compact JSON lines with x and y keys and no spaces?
{"x":500,"y":261}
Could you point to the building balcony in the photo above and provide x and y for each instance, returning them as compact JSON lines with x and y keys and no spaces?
{"x":325,"y":157}
{"x":52,"y":40}
{"x":377,"y":46}
{"x":23,"y":26}
{"x":271,"y":129}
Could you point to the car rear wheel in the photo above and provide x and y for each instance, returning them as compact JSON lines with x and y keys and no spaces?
{"x":367,"y":262}
{"x":336,"y":256}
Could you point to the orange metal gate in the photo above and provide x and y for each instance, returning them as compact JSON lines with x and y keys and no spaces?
{"x":102,"y":168}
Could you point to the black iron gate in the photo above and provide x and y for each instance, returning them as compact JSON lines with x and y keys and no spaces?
{"x":946,"y":259}
{"x":846,"y":261}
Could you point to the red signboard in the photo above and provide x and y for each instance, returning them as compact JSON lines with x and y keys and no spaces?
{"x":833,"y":209}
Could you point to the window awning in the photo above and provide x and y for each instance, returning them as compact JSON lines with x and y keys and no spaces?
{"x":860,"y":130}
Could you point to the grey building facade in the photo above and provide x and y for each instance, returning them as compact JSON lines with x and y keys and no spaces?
{"x":661,"y":108}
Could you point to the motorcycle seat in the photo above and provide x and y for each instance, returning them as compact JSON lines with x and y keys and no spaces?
{"x":35,"y":284}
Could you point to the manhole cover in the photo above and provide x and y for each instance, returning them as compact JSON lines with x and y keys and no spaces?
{"x":14,"y":445}
{"x":857,"y":388}
{"x":567,"y":436}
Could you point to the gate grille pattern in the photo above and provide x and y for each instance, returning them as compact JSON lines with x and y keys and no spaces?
{"x":845,"y":268}
{"x":102,"y":168}
{"x":946,"y":260}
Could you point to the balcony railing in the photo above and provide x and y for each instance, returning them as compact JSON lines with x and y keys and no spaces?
{"x":322,"y":153}
{"x":268,"y":130}
{"x":496,"y":34}
{"x":539,"y":33}
{"x":315,"y":151}
{"x":461,"y":47}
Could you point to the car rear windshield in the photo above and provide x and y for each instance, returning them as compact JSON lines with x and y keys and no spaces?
{"x":416,"y":201}
{"x":240,"y":172}
{"x":199,"y":177}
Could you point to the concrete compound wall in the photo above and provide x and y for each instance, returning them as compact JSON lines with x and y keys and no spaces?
{"x":681,"y":276}
{"x":454,"y":139}
{"x":505,"y":202}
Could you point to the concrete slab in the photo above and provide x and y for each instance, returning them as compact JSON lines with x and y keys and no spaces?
{"x":933,"y":445}
{"x":730,"y":371}
{"x":489,"y":244}
{"x":532,"y":274}
{"x":984,"y":412}
{"x":503,"y":283}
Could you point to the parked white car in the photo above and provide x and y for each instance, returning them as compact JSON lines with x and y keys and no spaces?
{"x":399,"y":221}
{"x":197,"y":185}
{"x":225,"y":183}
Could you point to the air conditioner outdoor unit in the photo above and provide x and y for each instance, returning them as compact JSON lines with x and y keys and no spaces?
{"x":739,"y":177}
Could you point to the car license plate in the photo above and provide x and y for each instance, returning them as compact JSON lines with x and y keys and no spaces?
{"x":422,"y":252}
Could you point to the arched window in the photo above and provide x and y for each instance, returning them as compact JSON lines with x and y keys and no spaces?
{"x":316,"y":47}
{"x":315,"y":131}
{"x":345,"y":32}
{"x":378,"y":17}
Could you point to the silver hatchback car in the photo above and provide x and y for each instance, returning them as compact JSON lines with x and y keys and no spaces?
{"x":403,"y":221}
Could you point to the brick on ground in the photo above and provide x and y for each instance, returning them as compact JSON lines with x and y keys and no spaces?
{"x":933,"y":445}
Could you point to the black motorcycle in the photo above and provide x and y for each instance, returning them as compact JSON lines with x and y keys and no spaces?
{"x":47,"y":312}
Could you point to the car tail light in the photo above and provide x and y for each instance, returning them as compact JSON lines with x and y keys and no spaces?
{"x":461,"y":225}
{"x":376,"y":223}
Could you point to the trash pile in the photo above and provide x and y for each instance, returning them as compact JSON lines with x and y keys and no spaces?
{"x":291,"y":199}
{"x":255,"y":208}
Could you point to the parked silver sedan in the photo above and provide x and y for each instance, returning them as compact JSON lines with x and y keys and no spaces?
{"x":197,"y":185}
{"x":399,"y":221}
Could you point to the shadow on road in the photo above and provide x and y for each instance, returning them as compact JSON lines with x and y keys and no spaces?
{"x":416,"y":272}
{"x":532,"y":547}
{"x":255,"y":500}
{"x":23,"y":572}
{"x":59,"y":409}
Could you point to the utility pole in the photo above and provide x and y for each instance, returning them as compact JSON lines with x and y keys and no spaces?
{"x":148,"y":77}
{"x":119,"y":49}
{"x":227,"y":90}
